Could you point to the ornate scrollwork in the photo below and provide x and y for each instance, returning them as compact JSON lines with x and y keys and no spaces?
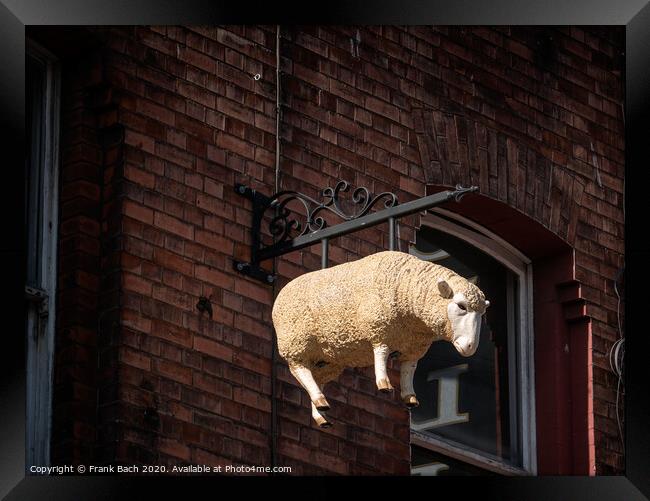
{"x":293,"y":229}
{"x":461,"y":192}
{"x":282,"y":226}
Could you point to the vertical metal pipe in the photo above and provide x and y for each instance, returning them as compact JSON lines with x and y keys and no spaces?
{"x":325,"y":253}
{"x":391,"y":233}
{"x":278,"y":108}
{"x":274,"y":355}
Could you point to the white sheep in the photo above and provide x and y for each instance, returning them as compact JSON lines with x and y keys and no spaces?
{"x":356,"y":314}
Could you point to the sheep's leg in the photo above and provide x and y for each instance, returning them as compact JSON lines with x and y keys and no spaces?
{"x":306,"y":379}
{"x":381,"y":374}
{"x":407,"y":370}
{"x":318,"y":417}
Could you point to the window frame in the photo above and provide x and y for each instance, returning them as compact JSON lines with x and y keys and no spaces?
{"x":474,"y":234}
{"x":41,"y":296}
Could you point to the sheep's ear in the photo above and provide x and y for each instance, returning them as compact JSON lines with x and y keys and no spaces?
{"x":444,"y":289}
{"x":487,"y":304}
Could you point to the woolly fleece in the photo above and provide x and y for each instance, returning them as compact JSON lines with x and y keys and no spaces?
{"x":330,"y":319}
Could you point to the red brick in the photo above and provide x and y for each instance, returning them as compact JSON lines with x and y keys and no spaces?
{"x":172,"y":261}
{"x":155,"y":111}
{"x":140,"y":141}
{"x":235,"y":145}
{"x":232,"y":301}
{"x":214,"y":241}
{"x":136,"y":321}
{"x":137,"y":211}
{"x":411,"y":186}
{"x":200,"y":456}
{"x":259,"y":292}
{"x":135,"y":358}
{"x":139,"y":176}
{"x":171,"y":352}
{"x":171,"y":333}
{"x":197,"y":94}
{"x":252,"y":362}
{"x":136,"y":284}
{"x":173,"y":371}
{"x":174,"y":448}
{"x":214,"y":277}
{"x":251,"y":326}
{"x":213,"y":224}
{"x":252,"y":399}
{"x":382,"y":108}
{"x":173,"y":297}
{"x":197,"y":59}
{"x":195,"y":128}
{"x":173,"y":225}
{"x":213,"y":348}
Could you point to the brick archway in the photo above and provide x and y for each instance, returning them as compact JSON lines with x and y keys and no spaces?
{"x":505,"y":164}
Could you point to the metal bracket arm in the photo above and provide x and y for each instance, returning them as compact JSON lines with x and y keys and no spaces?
{"x":290,"y":234}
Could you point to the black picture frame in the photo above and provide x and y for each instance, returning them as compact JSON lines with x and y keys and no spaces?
{"x":634,"y":14}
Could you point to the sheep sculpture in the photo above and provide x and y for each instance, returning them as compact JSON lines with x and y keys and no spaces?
{"x":356,"y":314}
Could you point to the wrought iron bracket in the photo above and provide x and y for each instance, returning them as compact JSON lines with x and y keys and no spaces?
{"x":291,"y":234}
{"x":260,"y":204}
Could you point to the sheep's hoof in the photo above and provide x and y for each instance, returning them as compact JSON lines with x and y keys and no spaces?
{"x":321,"y":404}
{"x":410,"y":401}
{"x":322,"y":422}
{"x":384,"y":386}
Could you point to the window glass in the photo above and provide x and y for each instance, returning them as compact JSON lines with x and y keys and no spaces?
{"x":471,"y":401}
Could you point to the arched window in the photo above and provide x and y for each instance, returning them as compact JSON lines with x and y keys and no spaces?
{"x":476,"y":414}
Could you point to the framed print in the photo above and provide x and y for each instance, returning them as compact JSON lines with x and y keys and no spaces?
{"x":398,"y":241}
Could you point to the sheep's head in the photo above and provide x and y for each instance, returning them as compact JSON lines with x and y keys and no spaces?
{"x":464,"y":312}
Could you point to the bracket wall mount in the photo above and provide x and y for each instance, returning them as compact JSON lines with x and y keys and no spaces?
{"x":290,"y":234}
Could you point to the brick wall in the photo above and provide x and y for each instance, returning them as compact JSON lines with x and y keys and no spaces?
{"x":531,"y":115}
{"x":74,"y":396}
{"x":88,"y":271}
